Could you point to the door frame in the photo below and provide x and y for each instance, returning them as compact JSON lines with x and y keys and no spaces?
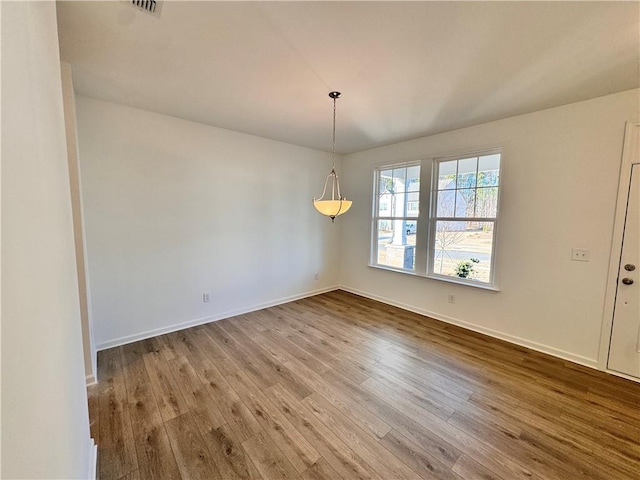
{"x":630,"y":156}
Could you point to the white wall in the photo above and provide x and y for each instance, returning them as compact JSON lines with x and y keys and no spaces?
{"x":45,"y":423}
{"x":559,"y":186}
{"x":75,"y":182}
{"x":174,"y":209}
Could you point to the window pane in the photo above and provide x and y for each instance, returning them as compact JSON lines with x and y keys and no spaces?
{"x":399,"y":179}
{"x":447,"y":175}
{"x":413,"y":174}
{"x":463,"y":249}
{"x":487,"y":202}
{"x":467,"y":172}
{"x":489,"y":170}
{"x":386,"y":182}
{"x":446,"y":203}
{"x":396,"y":241}
{"x":413,"y":204}
{"x":385,"y":203}
{"x":465,"y":202}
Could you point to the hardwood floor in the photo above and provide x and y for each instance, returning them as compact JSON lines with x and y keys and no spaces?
{"x":338,"y":386}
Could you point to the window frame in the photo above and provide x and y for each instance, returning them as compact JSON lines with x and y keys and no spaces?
{"x":433,"y":218}
{"x":427,"y":217}
{"x":375,"y":217}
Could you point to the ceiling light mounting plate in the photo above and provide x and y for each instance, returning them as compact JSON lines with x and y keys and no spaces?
{"x":334,"y":94}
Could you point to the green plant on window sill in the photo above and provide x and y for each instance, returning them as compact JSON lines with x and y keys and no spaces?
{"x":464,"y":269}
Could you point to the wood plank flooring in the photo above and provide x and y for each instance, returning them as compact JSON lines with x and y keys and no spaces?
{"x":341,"y":387}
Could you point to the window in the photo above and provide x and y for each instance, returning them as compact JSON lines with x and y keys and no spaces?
{"x":463,"y":219}
{"x":453,"y":236}
{"x":398,"y":193}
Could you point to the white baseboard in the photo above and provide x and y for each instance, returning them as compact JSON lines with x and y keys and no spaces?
{"x":116,"y":342}
{"x":92,"y":474}
{"x":90,"y":380}
{"x":622,"y":375}
{"x":572,"y":357}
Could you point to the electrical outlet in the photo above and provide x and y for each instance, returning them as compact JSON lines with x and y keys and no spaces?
{"x":580,"y":255}
{"x":315,"y":276}
{"x":452,"y":299}
{"x":206,"y":297}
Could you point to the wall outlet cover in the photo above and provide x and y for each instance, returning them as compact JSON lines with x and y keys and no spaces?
{"x":580,"y":255}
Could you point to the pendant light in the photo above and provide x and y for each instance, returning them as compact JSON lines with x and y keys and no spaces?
{"x":338,"y":204}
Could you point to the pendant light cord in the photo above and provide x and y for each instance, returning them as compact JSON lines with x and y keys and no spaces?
{"x":333,"y":164}
{"x":333,"y":176}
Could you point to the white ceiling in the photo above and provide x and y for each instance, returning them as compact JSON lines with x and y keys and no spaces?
{"x":405,"y":69}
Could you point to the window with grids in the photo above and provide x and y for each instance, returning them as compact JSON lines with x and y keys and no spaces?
{"x":464,"y":216}
{"x":395,"y":217}
{"x":453,"y":236}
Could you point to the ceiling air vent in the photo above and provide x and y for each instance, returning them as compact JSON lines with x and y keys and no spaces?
{"x":149,"y":6}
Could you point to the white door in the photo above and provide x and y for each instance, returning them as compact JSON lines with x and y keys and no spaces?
{"x":624,"y":351}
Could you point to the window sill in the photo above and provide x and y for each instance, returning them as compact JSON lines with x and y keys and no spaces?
{"x":440,"y":278}
{"x":443,"y":278}
{"x":397,"y":270}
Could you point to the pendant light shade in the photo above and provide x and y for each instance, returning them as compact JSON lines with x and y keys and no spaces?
{"x":337,"y":204}
{"x":332,"y":208}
